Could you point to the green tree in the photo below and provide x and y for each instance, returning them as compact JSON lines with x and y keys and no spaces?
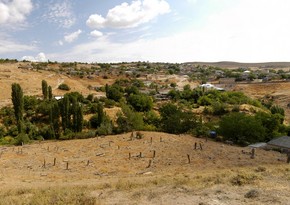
{"x":54,"y":119}
{"x":63,"y":86}
{"x":272,"y":124}
{"x":132,"y":90}
{"x":30,"y":102}
{"x":129,"y":120}
{"x":114,"y":92}
{"x":241,"y":128}
{"x":18,"y":104}
{"x":65,"y":112}
{"x":141,"y":102}
{"x":50,"y":93}
{"x":44,"y":87}
{"x":101,"y":115}
{"x":174,"y":120}
{"x":106,"y":127}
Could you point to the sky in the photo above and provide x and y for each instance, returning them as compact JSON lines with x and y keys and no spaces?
{"x":172,"y":31}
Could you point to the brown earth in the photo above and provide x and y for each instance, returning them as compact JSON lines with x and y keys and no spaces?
{"x":101,"y":169}
{"x":278,"y":91}
{"x":30,"y":81}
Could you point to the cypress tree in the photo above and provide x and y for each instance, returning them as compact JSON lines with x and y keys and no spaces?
{"x":44,"y":89}
{"x":18,"y":103}
{"x":100,"y":111}
{"x":74,"y":110}
{"x":54,"y":119}
{"x":80,"y":119}
{"x":49,"y":93}
{"x":65,"y":112}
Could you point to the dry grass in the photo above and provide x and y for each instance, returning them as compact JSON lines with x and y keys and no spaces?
{"x":202,"y":187}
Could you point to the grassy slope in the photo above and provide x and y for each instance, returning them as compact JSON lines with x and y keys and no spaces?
{"x":218,"y":174}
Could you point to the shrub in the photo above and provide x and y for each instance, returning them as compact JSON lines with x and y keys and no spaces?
{"x":242,"y":129}
{"x":244,"y":179}
{"x":252,"y":194}
{"x":139,"y":135}
{"x":141,"y":102}
{"x":106,"y":127}
{"x":21,"y":138}
{"x":218,"y":108}
{"x":63,"y":86}
{"x":6,"y":140}
{"x":204,"y":100}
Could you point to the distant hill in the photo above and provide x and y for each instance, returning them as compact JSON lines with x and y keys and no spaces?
{"x":231,"y":64}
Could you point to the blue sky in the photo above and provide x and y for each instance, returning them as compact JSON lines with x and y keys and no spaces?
{"x":145,"y":30}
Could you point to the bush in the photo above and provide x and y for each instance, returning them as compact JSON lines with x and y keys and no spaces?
{"x":252,"y":194}
{"x":244,"y":179}
{"x":63,"y":87}
{"x":21,"y":138}
{"x":174,"y":120}
{"x":106,"y":127}
{"x":242,"y":129}
{"x":6,"y":140}
{"x":141,"y":102}
{"x":139,"y":135}
{"x":218,"y":108}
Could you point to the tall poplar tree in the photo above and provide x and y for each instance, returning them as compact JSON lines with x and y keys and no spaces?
{"x":65,"y":112}
{"x":54,"y":119}
{"x":50,"y":93}
{"x":44,"y":89}
{"x":18,"y":104}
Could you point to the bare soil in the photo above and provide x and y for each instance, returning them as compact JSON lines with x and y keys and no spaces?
{"x":30,"y":81}
{"x":216,"y":174}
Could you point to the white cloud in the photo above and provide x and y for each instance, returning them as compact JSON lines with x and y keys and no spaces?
{"x":14,"y":11}
{"x":60,"y":42}
{"x":39,"y":58}
{"x":96,"y":33}
{"x":130,"y":15}
{"x":73,"y":36}
{"x":249,"y":31}
{"x":61,"y":14}
{"x":8,"y":45}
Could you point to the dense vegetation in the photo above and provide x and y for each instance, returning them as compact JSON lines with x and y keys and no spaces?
{"x":194,"y":111}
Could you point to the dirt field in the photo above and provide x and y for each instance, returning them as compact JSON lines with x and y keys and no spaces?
{"x":30,"y":81}
{"x":157,"y":172}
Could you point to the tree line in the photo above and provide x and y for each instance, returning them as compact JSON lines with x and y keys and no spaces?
{"x":32,"y":118}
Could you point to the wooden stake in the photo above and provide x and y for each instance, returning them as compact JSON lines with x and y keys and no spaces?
{"x":200,"y":146}
{"x":66,"y":165}
{"x":195,"y":144}
{"x":151,"y":140}
{"x":154,"y":154}
{"x":140,"y":155}
{"x":129,"y":155}
{"x":54,"y":161}
{"x":253,"y":153}
{"x":88,"y":162}
{"x":188,"y":157}
{"x":149,"y":165}
{"x":44,"y":163}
